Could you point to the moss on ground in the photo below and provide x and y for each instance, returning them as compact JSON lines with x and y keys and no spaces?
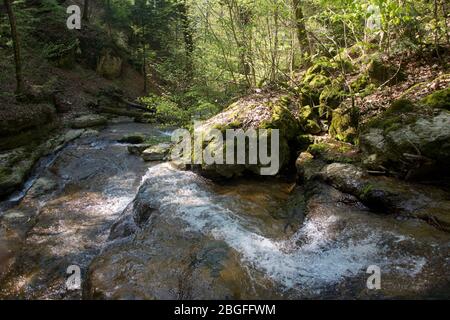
{"x":439,"y":99}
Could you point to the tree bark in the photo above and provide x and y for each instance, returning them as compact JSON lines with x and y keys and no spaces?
{"x":16,"y":45}
{"x":302,"y":34}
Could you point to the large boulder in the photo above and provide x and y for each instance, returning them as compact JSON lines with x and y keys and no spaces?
{"x":412,"y":141}
{"x":17,"y":164}
{"x":255,"y":112}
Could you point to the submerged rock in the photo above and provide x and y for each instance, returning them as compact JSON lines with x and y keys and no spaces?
{"x":42,"y":186}
{"x":132,"y":139}
{"x":165,"y":250}
{"x":137,"y":149}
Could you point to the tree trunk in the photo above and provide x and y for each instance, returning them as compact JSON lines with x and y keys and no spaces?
{"x":187,"y":34}
{"x":16,"y":44}
{"x":86,"y":10}
{"x":302,"y":34}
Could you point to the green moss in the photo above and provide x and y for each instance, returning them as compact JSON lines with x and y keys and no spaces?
{"x":379,"y":72}
{"x":342,"y":127}
{"x":319,"y":82}
{"x":367,"y":189}
{"x":317,"y":148}
{"x":332,"y":96}
{"x":154,"y":140}
{"x":312,"y":127}
{"x":400,"y":106}
{"x":132,"y":138}
{"x":305,"y":140}
{"x":283,"y":120}
{"x":439,"y":99}
{"x":334,"y":151}
{"x":400,"y":113}
{"x":360,"y":83}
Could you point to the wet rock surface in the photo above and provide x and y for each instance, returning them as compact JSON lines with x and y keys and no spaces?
{"x":143,"y":231}
{"x":66,"y":216}
{"x":326,"y":256}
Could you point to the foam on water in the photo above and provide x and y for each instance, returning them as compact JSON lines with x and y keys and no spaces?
{"x":311,"y":258}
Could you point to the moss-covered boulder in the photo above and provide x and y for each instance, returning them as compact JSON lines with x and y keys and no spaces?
{"x":329,"y":150}
{"x":256,"y":112}
{"x":312,"y":127}
{"x":309,"y":120}
{"x":343,"y":126}
{"x":439,"y":99}
{"x":410,"y":140}
{"x":332,"y":95}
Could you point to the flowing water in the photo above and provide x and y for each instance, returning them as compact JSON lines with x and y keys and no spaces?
{"x":91,"y":181}
{"x":65,"y":214}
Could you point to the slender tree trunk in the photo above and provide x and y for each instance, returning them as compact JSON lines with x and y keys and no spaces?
{"x":16,"y":45}
{"x":188,"y":38}
{"x":86,"y":10}
{"x":302,"y":34}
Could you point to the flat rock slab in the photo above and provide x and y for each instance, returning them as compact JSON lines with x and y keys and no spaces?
{"x":89,"y":121}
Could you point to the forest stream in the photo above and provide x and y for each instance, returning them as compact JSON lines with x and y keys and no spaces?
{"x":148,"y":230}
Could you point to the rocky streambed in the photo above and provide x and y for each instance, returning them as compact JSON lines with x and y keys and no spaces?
{"x":146,"y":230}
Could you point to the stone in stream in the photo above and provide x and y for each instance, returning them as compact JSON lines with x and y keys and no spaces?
{"x":88,"y":121}
{"x":158,"y":152}
{"x":137,"y":149}
{"x":132,"y":139}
